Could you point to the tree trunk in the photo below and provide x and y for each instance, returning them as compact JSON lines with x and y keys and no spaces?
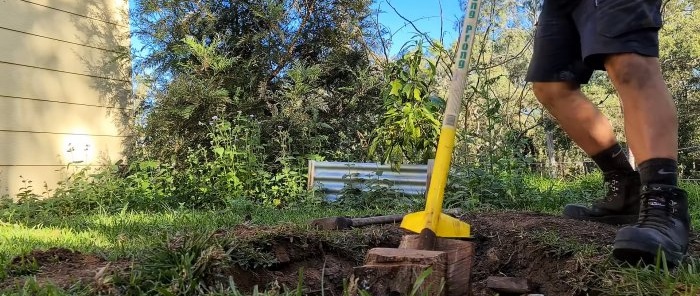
{"x":551,"y":159}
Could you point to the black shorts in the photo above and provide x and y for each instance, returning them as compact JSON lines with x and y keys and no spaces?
{"x":572,"y":40}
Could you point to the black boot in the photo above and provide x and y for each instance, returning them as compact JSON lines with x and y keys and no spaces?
{"x":664,"y":222}
{"x":619,"y":206}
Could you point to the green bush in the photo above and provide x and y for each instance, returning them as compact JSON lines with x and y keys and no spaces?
{"x":232,"y":168}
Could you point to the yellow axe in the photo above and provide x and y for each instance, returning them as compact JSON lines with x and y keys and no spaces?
{"x":431,"y":222}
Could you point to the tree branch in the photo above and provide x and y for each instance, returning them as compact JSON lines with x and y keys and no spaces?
{"x":379,"y":31}
{"x":508,"y":60}
{"x":419,"y":31}
{"x":292,"y":45}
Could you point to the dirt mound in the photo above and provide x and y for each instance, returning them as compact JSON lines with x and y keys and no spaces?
{"x":555,"y":253}
{"x":559,"y":255}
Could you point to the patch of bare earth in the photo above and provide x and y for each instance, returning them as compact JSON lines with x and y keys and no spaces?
{"x":555,"y":253}
{"x":559,"y":255}
{"x":64,"y":268}
{"x":324,"y":259}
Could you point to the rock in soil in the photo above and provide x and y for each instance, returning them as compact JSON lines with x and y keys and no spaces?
{"x":509,"y":285}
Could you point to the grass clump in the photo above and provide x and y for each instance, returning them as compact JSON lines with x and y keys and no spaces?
{"x":561,"y":247}
{"x":653,"y":280}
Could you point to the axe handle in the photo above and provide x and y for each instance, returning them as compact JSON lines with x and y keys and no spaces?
{"x":357,"y":222}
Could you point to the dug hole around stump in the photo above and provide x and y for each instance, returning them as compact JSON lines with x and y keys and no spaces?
{"x":394,"y":271}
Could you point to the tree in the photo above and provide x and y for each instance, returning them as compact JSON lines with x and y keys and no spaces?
{"x":303,"y":68}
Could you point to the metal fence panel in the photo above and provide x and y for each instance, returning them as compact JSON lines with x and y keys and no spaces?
{"x":329,"y":178}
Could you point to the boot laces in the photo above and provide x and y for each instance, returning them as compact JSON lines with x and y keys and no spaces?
{"x":656,"y":210}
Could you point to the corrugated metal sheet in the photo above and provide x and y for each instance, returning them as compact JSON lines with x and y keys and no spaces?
{"x":330,"y":178}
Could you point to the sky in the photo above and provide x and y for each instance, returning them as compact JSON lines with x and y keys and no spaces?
{"x":425,"y":15}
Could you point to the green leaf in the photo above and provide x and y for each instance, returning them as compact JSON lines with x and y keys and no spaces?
{"x":417,"y":94}
{"x":219,"y":151}
{"x":396,"y":86}
{"x":373,"y":147}
{"x":407,"y":89}
{"x":144,"y":165}
{"x":438,"y":102}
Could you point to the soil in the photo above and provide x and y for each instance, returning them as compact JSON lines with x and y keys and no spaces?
{"x":540,"y":248}
{"x":558,"y":255}
{"x":325,"y":261}
{"x":64,"y":268}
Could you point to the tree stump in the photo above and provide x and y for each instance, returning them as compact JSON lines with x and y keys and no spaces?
{"x":460,"y":255}
{"x":389,"y":271}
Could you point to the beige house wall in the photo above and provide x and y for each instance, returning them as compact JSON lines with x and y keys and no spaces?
{"x":64,"y":90}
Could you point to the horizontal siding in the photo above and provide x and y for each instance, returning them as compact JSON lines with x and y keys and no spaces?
{"x":29,"y":115}
{"x":11,"y":178}
{"x":39,"y":20}
{"x":58,"y":89}
{"x":106,"y":11}
{"x":40,"y":149}
{"x":44,"y":85}
{"x":54,"y":55}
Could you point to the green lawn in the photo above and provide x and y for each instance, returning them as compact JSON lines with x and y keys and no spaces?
{"x":129,"y":234}
{"x":126,"y":234}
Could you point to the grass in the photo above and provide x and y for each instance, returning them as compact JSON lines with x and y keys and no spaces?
{"x":562,"y":246}
{"x":126,"y":234}
{"x":653,"y":279}
{"x":595,"y":264}
{"x":145,"y":236}
{"x":130,"y":234}
{"x":550,"y":196}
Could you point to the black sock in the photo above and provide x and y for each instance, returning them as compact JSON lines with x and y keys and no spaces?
{"x":659,"y":171}
{"x":613,"y":159}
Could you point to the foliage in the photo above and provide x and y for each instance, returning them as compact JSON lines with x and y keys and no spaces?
{"x":304,"y":66}
{"x":410,"y":127}
{"x":230,"y":169}
{"x":195,"y":95}
{"x":376,"y":194}
{"x":477,"y":187}
{"x":680,"y":62}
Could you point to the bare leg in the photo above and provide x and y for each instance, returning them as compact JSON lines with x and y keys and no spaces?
{"x":581,"y":120}
{"x":651,"y":122}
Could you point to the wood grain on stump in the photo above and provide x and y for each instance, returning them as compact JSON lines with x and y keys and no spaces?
{"x":394,"y":271}
{"x":459,"y":262}
{"x":389,"y":271}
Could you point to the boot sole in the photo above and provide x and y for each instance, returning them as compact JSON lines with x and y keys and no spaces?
{"x":633,"y":252}
{"x":612,"y":220}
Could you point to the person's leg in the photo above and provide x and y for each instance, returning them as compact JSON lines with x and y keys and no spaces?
{"x":576,"y":114}
{"x":557,"y":71}
{"x":651,"y":122}
{"x":622,"y":37}
{"x":652,"y":130}
{"x":593,"y":133}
